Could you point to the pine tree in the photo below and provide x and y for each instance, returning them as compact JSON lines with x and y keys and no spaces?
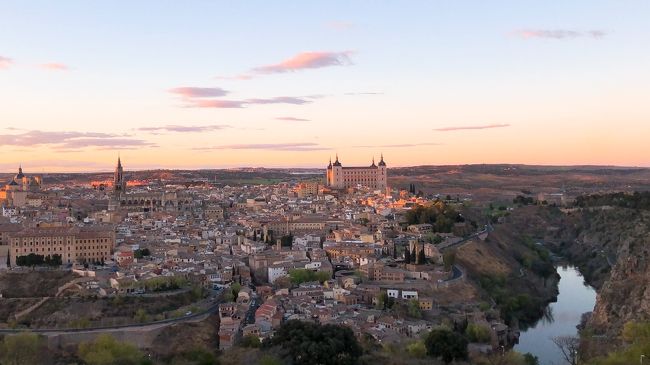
{"x":421,"y":257}
{"x":414,"y":254}
{"x":407,"y":256}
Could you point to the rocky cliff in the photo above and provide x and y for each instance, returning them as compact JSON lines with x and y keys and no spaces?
{"x":625,"y":295}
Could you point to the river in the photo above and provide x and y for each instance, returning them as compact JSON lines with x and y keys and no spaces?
{"x":574,"y":299}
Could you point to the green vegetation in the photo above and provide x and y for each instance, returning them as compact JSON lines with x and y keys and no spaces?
{"x":231,"y":293}
{"x":447,"y":345}
{"x":414,"y":310}
{"x":81,"y":322}
{"x":299,"y":276}
{"x":513,"y":306}
{"x":163,"y":283}
{"x":250,"y":341}
{"x":23,"y":348}
{"x":195,"y":356}
{"x":303,"y":343}
{"x":477,"y":333}
{"x":38,"y":260}
{"x":638,"y":200}
{"x":439,"y":214}
{"x":508,"y":358}
{"x":417,"y":349}
{"x":637,"y":337}
{"x":523,"y":200}
{"x":138,"y":254}
{"x":449,"y":259}
{"x":106,"y":350}
{"x":383,"y":301}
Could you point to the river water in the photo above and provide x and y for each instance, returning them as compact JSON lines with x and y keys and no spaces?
{"x":574,"y":299}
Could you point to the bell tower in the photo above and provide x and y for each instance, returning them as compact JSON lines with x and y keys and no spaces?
{"x":119,"y":183}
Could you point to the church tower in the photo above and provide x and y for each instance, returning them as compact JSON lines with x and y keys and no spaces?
{"x":119,"y":183}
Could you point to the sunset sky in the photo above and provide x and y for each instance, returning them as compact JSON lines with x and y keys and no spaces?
{"x":216,"y":84}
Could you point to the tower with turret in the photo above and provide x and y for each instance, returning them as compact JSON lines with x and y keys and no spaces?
{"x":119,"y":182}
{"x":373,"y":176}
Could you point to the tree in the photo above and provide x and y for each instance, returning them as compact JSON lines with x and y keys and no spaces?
{"x":421,"y":256}
{"x":106,"y":350}
{"x":8,"y":260}
{"x":417,"y":349}
{"x":414,"y":309}
{"x":304,"y":343}
{"x":478,"y":333}
{"x":250,"y":341}
{"x":568,"y":346}
{"x":445,"y":344}
{"x":299,"y":276}
{"x":22,"y":349}
{"x":449,"y":259}
{"x":407,"y":255}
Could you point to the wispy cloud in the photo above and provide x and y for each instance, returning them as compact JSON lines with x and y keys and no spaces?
{"x":365,"y":93}
{"x":207,"y":103}
{"x":55,"y":66}
{"x":293,"y":119}
{"x":340,"y":25}
{"x":307,"y":60}
{"x":301,"y":61}
{"x":62,"y":140}
{"x":471,"y":127}
{"x":399,"y":145}
{"x":303,"y":146}
{"x":199,"y":92}
{"x":5,"y":62}
{"x":38,"y":165}
{"x":184,"y":128}
{"x":558,"y":34}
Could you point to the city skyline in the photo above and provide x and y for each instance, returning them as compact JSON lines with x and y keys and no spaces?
{"x":284,"y":85}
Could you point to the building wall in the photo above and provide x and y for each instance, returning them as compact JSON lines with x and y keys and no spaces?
{"x":340,"y":177}
{"x":75,"y":245}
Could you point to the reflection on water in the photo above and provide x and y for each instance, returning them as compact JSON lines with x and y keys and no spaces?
{"x":560,"y":318}
{"x":548,"y":317}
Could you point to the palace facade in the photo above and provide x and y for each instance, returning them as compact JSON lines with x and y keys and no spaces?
{"x":373,"y":176}
{"x":73,"y":244}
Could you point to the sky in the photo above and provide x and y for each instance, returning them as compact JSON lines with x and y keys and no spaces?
{"x":220,"y":84}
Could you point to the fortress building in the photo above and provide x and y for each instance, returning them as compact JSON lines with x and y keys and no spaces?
{"x":373,"y":176}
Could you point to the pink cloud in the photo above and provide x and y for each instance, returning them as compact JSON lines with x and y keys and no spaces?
{"x":307,"y":60}
{"x":5,"y":62}
{"x":292,"y":119}
{"x":54,"y":66}
{"x":184,"y":128}
{"x":221,"y":104}
{"x":487,"y":126}
{"x":199,"y":92}
{"x":71,"y":140}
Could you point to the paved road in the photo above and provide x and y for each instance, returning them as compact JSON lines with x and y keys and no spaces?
{"x":195,"y":317}
{"x":488,"y":229}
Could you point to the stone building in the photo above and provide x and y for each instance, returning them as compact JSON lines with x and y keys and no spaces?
{"x":167,"y":201}
{"x":373,"y":176}
{"x":73,"y":244}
